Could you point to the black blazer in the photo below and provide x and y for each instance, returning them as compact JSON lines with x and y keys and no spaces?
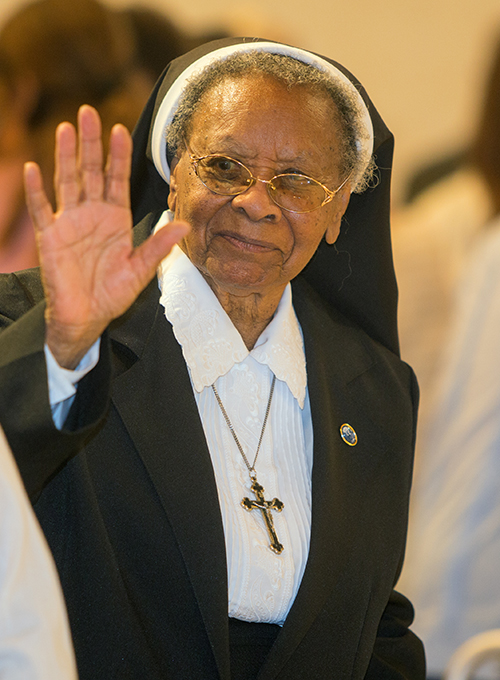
{"x":127,"y":498}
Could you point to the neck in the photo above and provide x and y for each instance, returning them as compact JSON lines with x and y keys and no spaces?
{"x":250,"y":314}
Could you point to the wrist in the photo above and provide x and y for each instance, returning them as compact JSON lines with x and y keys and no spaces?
{"x":70,"y":344}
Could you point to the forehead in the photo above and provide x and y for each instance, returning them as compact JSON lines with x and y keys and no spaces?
{"x":259,"y":116}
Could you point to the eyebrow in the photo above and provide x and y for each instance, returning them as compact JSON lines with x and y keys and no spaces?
{"x":230,"y":145}
{"x":235,"y":149}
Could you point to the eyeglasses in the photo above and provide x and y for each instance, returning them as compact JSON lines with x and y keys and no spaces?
{"x":290,"y":191}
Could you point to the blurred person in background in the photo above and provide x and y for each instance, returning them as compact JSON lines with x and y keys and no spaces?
{"x":159,"y":40}
{"x":54,"y":56}
{"x":447,"y":257}
{"x":432,"y":240}
{"x":35,"y":642}
{"x":453,"y":557}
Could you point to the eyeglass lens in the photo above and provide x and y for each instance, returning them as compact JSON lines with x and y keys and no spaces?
{"x":290,"y":191}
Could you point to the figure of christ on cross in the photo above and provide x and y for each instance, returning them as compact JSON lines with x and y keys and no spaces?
{"x":265,"y":507}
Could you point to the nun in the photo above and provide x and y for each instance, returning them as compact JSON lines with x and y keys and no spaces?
{"x":208,"y":409}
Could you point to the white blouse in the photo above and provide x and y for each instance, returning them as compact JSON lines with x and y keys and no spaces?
{"x":262,"y":584}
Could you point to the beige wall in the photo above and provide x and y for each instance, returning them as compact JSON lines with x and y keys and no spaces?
{"x":422,"y":61}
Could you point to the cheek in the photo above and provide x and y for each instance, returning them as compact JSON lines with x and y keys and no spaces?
{"x":188,"y":197}
{"x":196,"y":205}
{"x":198,"y":209}
{"x":182,"y":186}
{"x":307,"y":238}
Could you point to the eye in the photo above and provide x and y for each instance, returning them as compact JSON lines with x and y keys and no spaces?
{"x":295,"y":182}
{"x":293,"y":171}
{"x":223,"y":168}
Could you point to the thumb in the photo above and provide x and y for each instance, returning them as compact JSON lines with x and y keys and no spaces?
{"x":150,"y":253}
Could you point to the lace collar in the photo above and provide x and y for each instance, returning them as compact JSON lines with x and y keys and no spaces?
{"x":210,"y":343}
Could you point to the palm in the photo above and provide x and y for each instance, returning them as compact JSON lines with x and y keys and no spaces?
{"x":90,"y":271}
{"x":89,"y":250}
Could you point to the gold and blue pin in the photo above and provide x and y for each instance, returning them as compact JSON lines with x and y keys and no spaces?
{"x":348,"y":434}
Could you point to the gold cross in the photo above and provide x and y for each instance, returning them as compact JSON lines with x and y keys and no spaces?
{"x":265,"y":507}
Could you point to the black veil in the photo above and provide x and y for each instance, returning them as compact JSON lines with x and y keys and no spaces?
{"x":356,"y":275}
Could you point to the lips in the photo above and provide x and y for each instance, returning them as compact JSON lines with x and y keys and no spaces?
{"x":246,"y":244}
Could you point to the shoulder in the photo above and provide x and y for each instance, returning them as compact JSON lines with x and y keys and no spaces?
{"x":323,"y":326}
{"x":343,"y":359}
{"x":19,"y":292}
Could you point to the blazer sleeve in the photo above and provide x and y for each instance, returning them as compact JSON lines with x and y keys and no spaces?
{"x":398,"y":653}
{"x":40,"y":449}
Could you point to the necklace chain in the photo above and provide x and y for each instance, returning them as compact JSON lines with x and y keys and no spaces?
{"x":260,"y":502}
{"x":251,"y":468}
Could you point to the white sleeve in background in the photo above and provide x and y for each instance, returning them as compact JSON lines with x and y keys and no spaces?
{"x":35,"y":642}
{"x":454,"y":540}
{"x":63,"y":382}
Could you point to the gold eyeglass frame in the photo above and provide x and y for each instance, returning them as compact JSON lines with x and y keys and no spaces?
{"x":329,"y":194}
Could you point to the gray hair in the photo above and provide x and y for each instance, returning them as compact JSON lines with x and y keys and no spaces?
{"x":291,"y":72}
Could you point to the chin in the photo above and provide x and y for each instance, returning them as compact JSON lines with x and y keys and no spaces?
{"x":240,"y":279}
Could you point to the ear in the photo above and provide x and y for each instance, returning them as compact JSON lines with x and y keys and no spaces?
{"x":341,"y":203}
{"x":172,"y":194}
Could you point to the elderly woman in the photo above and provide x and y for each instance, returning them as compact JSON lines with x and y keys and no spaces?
{"x":218,"y":508}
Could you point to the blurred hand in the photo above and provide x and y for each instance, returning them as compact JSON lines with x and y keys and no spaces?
{"x":90,"y":271}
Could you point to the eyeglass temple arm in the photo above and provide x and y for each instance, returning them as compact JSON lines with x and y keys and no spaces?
{"x":330,"y":194}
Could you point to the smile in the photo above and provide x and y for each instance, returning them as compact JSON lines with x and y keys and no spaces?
{"x":247,"y":245}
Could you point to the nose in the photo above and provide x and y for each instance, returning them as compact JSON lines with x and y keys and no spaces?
{"x":256,"y":203}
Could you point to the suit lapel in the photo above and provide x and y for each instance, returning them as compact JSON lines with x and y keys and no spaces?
{"x":154,"y":398}
{"x":169,"y":437}
{"x":333,"y":556}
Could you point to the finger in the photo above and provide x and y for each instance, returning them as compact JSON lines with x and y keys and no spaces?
{"x":66,"y":181}
{"x":90,"y":158}
{"x":39,"y":206}
{"x":149,"y":254}
{"x":117,"y":186}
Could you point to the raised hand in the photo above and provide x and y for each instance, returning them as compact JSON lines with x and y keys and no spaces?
{"x":91,"y":273}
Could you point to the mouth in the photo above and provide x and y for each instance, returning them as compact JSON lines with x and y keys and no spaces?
{"x":245,"y":244}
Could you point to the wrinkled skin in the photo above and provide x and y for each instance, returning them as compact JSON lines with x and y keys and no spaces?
{"x":246,"y":247}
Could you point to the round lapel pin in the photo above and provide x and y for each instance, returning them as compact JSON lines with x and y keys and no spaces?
{"x":348,"y":434}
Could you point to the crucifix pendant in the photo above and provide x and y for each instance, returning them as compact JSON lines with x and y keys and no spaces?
{"x":265,"y":507}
